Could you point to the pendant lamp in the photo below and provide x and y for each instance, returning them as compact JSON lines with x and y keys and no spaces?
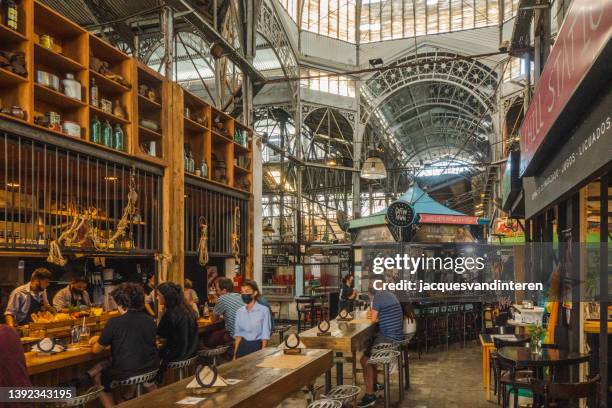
{"x":373,"y":168}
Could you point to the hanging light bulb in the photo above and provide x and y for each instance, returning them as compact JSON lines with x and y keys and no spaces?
{"x":373,"y":168}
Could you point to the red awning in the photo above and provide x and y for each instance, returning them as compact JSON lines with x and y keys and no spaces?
{"x":447,"y":219}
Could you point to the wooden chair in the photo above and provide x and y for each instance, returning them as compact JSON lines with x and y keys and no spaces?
{"x":552,"y":393}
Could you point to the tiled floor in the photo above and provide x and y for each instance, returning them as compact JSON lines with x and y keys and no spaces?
{"x":439,"y":379}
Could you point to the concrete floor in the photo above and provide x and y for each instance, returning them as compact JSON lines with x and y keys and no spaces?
{"x":439,"y":379}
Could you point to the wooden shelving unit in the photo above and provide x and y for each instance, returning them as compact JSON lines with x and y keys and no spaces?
{"x":112,"y":72}
{"x":196,"y":128}
{"x":148,"y":107}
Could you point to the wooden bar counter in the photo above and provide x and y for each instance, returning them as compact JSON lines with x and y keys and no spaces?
{"x":50,"y":370}
{"x":260,"y":386}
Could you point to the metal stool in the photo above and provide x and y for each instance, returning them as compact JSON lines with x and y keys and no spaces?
{"x":404,"y":364}
{"x":137,"y":380}
{"x":396,"y":346}
{"x":280,"y":329}
{"x":343,"y":393}
{"x":214,"y":352}
{"x":325,"y":403}
{"x":182,"y":365}
{"x":80,"y":400}
{"x":385,"y":358}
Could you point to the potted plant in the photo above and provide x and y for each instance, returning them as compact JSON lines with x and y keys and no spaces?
{"x":538,"y":333}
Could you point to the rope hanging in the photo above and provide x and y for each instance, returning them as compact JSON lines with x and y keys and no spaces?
{"x":236,"y":235}
{"x":203,"y":244}
{"x":84,"y":221}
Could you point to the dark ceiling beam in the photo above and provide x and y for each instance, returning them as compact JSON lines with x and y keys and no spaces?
{"x":103,"y":14}
{"x":206,"y":30}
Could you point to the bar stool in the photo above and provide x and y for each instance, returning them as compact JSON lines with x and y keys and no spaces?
{"x":396,"y":346}
{"x":325,"y":403}
{"x":343,"y":393}
{"x":306,"y":306}
{"x":137,"y":380}
{"x":81,"y":400}
{"x":280,"y":329}
{"x":385,"y":358}
{"x":214,"y":353}
{"x":404,"y":363}
{"x":182,"y":365}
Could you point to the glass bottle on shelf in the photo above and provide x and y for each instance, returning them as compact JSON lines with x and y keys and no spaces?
{"x":11,"y":14}
{"x":118,"y":137}
{"x":96,"y":130}
{"x":204,"y":169}
{"x":185,"y":159}
{"x":191,"y":162}
{"x":107,"y":134}
{"x":94,"y":94}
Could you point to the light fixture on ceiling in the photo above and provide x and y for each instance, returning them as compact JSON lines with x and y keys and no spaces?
{"x":268,"y":229}
{"x":13,"y":185}
{"x":374,"y":62}
{"x":111,"y":178}
{"x":217,"y":51}
{"x":373,"y":167}
{"x":332,"y":162}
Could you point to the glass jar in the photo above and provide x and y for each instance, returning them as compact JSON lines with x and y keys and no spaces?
{"x":72,"y":87}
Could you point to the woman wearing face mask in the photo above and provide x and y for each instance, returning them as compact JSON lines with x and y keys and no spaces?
{"x":253,"y":322}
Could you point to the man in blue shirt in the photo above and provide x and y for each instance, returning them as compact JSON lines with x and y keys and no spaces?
{"x":253,"y":322}
{"x":386,"y":310}
{"x":228,"y":304}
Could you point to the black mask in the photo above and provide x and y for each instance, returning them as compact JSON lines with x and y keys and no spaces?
{"x":247,"y":298}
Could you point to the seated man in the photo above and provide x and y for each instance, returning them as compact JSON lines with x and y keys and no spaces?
{"x":131,"y":338}
{"x":73,"y":295}
{"x":387,"y":312}
{"x":227,"y":306}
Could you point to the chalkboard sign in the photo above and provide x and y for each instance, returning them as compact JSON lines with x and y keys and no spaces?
{"x":275,"y":260}
{"x":400,"y":214}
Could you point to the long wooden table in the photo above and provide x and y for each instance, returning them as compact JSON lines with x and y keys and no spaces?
{"x":50,"y":370}
{"x":260,"y":387}
{"x":346,"y":337}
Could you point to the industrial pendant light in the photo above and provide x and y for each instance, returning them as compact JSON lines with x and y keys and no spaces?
{"x":373,"y":168}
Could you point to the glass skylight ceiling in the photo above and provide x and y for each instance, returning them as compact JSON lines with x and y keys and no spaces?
{"x":382,"y":20}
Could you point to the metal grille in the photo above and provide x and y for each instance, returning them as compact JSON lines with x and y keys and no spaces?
{"x":42,"y":185}
{"x":217,"y":208}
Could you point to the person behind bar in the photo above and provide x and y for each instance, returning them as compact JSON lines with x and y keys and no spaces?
{"x":191,"y":296}
{"x":228,"y":304}
{"x":347,"y":293}
{"x":73,"y":295}
{"x":178,"y":329}
{"x":28,"y":299}
{"x":387,"y":311}
{"x":252,"y":327}
{"x":150,"y":296}
{"x":131,"y":338}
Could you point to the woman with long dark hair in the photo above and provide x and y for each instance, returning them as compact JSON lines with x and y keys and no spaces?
{"x":177,"y":328}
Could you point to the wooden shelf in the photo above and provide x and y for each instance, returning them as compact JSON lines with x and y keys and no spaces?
{"x":195,"y":126}
{"x":107,"y":84}
{"x":8,"y":35}
{"x":242,"y":169}
{"x":9,"y":117}
{"x":55,"y":60}
{"x":9,"y":78}
{"x":105,"y":51}
{"x":241,"y":148}
{"x":55,"y":98}
{"x":220,"y":137}
{"x":59,"y":133}
{"x":147,"y":134}
{"x":147,"y":103}
{"x":109,"y":116}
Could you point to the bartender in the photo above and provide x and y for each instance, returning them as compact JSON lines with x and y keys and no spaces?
{"x":73,"y":295}
{"x":29,"y":298}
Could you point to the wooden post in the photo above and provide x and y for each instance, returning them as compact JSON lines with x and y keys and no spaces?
{"x":174,"y":185}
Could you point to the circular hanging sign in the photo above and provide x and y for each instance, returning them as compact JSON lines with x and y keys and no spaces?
{"x":400,"y":214}
{"x":292,"y":341}
{"x":212,"y":375}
